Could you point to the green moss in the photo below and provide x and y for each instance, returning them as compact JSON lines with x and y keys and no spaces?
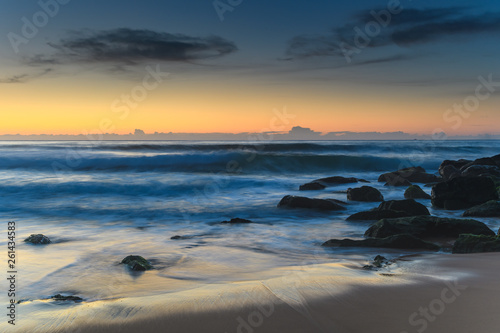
{"x":38,"y":239}
{"x":137,"y":263}
{"x":416,"y":192}
{"x":468,"y":243}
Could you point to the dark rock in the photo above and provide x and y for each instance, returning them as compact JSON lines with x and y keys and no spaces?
{"x":412,"y":174}
{"x":380,"y":261}
{"x":398,"y":182}
{"x":291,"y":201}
{"x":463,"y":192}
{"x":468,"y":243}
{"x":137,"y":263}
{"x":312,"y":187}
{"x":415,"y":192}
{"x":237,"y":221}
{"x":176,"y":237}
{"x":364,"y":193}
{"x":481,"y":170}
{"x":60,"y":297}
{"x":392,"y":242}
{"x":449,"y":172}
{"x":392,"y":209}
{"x":456,"y":164}
{"x":38,"y":239}
{"x":427,"y":227}
{"x":336,"y":180}
{"x":488,"y":209}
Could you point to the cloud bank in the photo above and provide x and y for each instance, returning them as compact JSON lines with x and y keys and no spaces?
{"x":409,"y":27}
{"x":131,"y":47}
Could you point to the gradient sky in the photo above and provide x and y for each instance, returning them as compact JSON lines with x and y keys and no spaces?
{"x":70,"y":76}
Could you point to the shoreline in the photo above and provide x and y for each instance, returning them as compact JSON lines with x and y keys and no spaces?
{"x":459,"y":290}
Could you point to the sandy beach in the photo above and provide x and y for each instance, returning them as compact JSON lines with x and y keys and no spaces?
{"x":429,"y":293}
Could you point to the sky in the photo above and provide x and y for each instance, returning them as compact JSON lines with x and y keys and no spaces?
{"x":232,"y":66}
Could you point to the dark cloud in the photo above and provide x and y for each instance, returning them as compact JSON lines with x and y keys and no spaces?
{"x":129,"y":47}
{"x":22,"y":78}
{"x":410,"y":26}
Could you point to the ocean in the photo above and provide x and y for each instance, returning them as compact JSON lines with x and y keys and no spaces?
{"x":101,"y":201}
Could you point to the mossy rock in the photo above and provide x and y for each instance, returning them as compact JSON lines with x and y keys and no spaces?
{"x":426,"y":227}
{"x":468,"y":243}
{"x":392,"y":209}
{"x":391,"y":242}
{"x":38,"y":239}
{"x":137,"y":263}
{"x":416,"y":192}
{"x":488,"y":209}
{"x":60,"y":297}
{"x":364,"y":193}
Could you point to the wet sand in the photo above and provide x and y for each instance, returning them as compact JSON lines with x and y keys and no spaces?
{"x":430,"y":293}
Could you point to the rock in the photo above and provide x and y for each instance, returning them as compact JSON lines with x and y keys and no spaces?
{"x":237,"y":220}
{"x":427,"y":227}
{"x":60,"y":297}
{"x":455,"y":164}
{"x":176,"y":237}
{"x":398,"y":182}
{"x":468,"y":243}
{"x":380,"y":261}
{"x":392,"y":242}
{"x":364,"y":193}
{"x":38,"y":239}
{"x":312,"y":187}
{"x":412,"y":174}
{"x":488,"y":209}
{"x":449,"y":172}
{"x":392,"y":209}
{"x":481,"y":170}
{"x":485,"y":161}
{"x":415,"y":192}
{"x":291,"y":201}
{"x":337,"y":180}
{"x":463,"y":192}
{"x":137,"y":263}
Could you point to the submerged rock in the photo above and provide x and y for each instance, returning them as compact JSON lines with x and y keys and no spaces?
{"x":236,"y":220}
{"x":291,"y":201}
{"x":427,"y":227}
{"x":137,"y":263}
{"x":364,"y":193}
{"x":313,"y":186}
{"x":398,"y":182}
{"x":488,"y":209}
{"x":392,"y":209}
{"x":468,"y":243}
{"x":391,"y":242}
{"x":463,"y":192}
{"x":416,"y":192}
{"x":412,"y":174}
{"x":38,"y":239}
{"x":339,"y":180}
{"x":60,"y":297}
